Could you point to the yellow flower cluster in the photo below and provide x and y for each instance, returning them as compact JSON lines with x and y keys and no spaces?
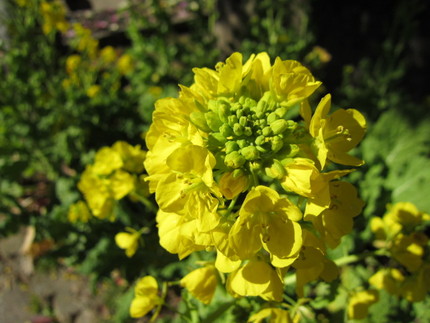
{"x":239,"y":165}
{"x":53,"y":17}
{"x":116,"y":173}
{"x":401,"y":232}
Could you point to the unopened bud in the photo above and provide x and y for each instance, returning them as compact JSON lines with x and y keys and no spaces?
{"x":279,"y":126}
{"x":276,"y":144}
{"x":234,"y":160}
{"x":226,"y":130}
{"x":238,"y":129}
{"x":250,"y":153}
{"x":231,"y":146}
{"x":276,"y":170}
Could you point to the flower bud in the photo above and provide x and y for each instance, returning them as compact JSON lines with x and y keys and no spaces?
{"x":238,"y":129}
{"x":276,"y":170}
{"x":226,"y":130}
{"x":231,"y":185}
{"x":279,"y":126}
{"x":276,"y":144}
{"x":234,"y":160}
{"x":250,"y":153}
{"x":231,"y":146}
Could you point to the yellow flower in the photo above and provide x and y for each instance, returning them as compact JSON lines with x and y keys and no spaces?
{"x":360,"y":302}
{"x":128,"y":241}
{"x":201,"y":283}
{"x":108,"y":55}
{"x":72,"y":63}
{"x":269,"y":221}
{"x":389,"y":279}
{"x":232,"y":184}
{"x":78,"y":212}
{"x":312,"y":263}
{"x":125,"y":64}
{"x":179,"y":234}
{"x":106,"y":161}
{"x":256,"y":278}
{"x":272,"y":314}
{"x":336,"y":220}
{"x":53,"y":14}
{"x":190,"y":186}
{"x":93,"y":90}
{"x":145,"y":298}
{"x":132,"y":156}
{"x":336,"y":134}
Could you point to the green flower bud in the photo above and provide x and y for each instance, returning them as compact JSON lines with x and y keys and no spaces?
{"x":279,"y":126}
{"x":272,"y":117}
{"x":198,"y":119}
{"x":232,"y":120}
{"x":238,"y":129}
{"x":281,"y":112}
{"x":294,"y":150}
{"x":243,"y":121}
{"x":275,"y":170}
{"x":234,"y":160}
{"x":260,"y":140}
{"x":223,"y":110}
{"x":242,"y":143}
{"x":267,"y":131}
{"x":276,"y":143}
{"x":248,"y":131}
{"x":213,"y":120}
{"x":226,"y":130}
{"x":250,"y":153}
{"x":231,"y":146}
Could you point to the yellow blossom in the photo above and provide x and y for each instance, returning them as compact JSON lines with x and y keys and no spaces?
{"x":128,"y":241}
{"x":256,"y":278}
{"x":359,"y":303}
{"x":93,"y":90}
{"x":201,"y":283}
{"x":269,"y":221}
{"x":125,"y":64}
{"x":78,"y":212}
{"x":145,"y":297}
{"x":336,"y":134}
{"x":272,"y":314}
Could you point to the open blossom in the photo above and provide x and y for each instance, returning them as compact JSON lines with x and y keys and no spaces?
{"x":231,"y":172}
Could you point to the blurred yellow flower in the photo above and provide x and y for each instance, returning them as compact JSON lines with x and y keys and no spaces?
{"x":145,"y":297}
{"x":201,"y":283}
{"x":78,"y":212}
{"x":128,"y":241}
{"x":125,"y":64}
{"x":359,"y":303}
{"x":93,"y":90}
{"x":272,"y":315}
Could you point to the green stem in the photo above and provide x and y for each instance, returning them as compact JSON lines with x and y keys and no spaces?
{"x":147,"y":203}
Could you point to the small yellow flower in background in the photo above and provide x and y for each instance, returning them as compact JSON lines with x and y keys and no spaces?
{"x":145,"y":297}
{"x":116,"y":173}
{"x":93,"y":90}
{"x":359,"y":303}
{"x":72,"y":63}
{"x":84,"y":41}
{"x":128,"y":241}
{"x":201,"y":283}
{"x":132,"y":156}
{"x":53,"y":14}
{"x":125,"y":64}
{"x":272,"y":315}
{"x":108,"y":55}
{"x":400,"y":233}
{"x":79,"y":212}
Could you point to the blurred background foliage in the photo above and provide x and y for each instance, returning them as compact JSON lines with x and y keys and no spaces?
{"x":70,"y":84}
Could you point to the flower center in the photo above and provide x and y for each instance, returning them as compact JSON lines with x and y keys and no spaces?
{"x":248,"y":134}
